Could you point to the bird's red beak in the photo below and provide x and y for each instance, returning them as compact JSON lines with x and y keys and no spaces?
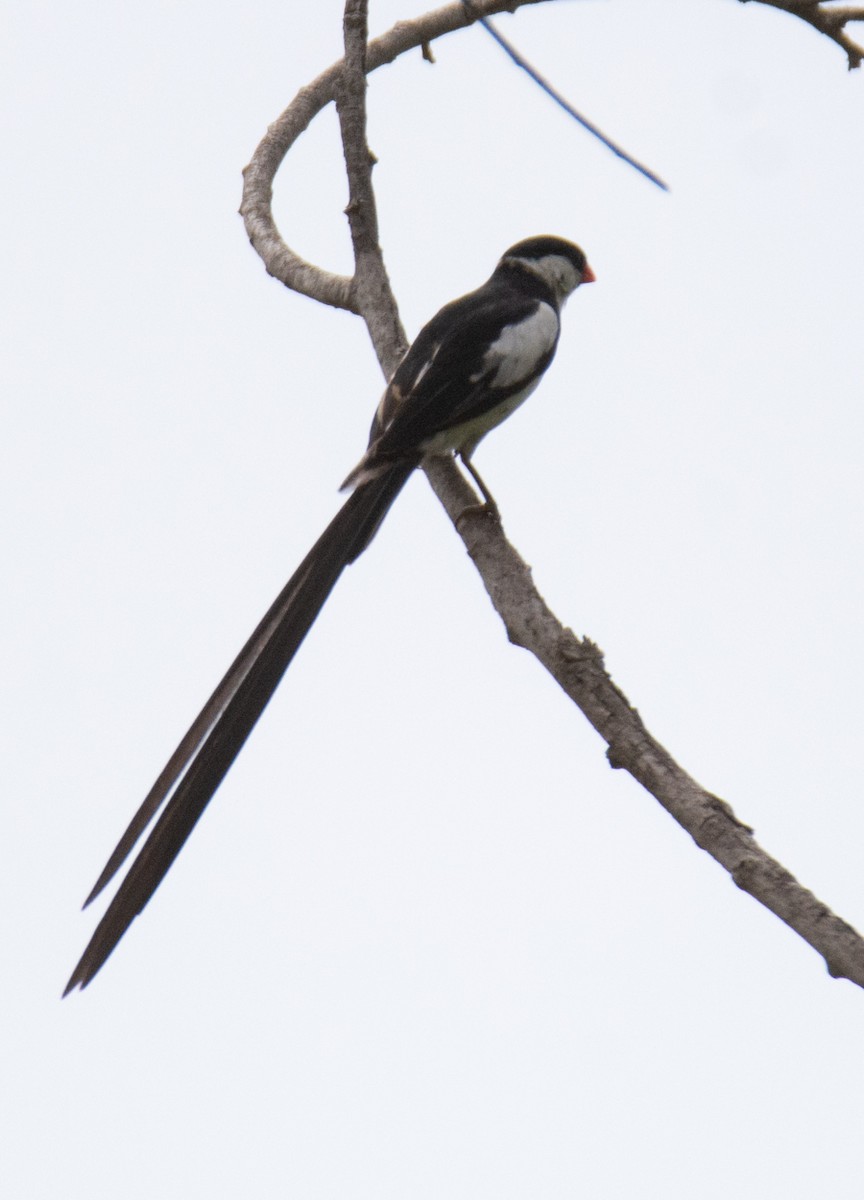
{"x":588,"y":275}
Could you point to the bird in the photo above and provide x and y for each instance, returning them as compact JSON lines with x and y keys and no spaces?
{"x":467,"y":370}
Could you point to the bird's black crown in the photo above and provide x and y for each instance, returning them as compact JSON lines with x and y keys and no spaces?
{"x":546,"y":244}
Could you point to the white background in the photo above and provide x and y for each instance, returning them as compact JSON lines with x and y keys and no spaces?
{"x":425,"y":944}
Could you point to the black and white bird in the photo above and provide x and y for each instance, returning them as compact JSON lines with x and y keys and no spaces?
{"x":468,"y":369}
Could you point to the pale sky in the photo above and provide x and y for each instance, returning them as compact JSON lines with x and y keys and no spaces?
{"x":425,"y":944}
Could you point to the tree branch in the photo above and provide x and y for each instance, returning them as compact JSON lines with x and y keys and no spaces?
{"x":830,"y":21}
{"x":280,"y":260}
{"x":576,"y":664}
{"x":371,"y":285}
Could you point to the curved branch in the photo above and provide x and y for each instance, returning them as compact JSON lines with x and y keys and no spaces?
{"x":256,"y":206}
{"x":830,"y":21}
{"x":576,"y":664}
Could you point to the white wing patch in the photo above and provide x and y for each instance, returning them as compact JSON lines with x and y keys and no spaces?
{"x":514,"y":355}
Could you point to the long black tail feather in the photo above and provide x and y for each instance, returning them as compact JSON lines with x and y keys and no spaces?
{"x":215,"y":738}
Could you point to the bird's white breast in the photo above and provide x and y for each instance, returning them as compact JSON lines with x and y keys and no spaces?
{"x":514,"y":355}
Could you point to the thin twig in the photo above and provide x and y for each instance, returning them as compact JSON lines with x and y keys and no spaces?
{"x":547,"y":87}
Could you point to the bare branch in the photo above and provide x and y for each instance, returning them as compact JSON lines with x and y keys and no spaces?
{"x":372,"y":291}
{"x":256,"y":207}
{"x":280,"y":260}
{"x":576,"y":664}
{"x":830,"y":21}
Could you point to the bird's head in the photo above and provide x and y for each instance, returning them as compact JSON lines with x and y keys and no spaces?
{"x":560,"y":264}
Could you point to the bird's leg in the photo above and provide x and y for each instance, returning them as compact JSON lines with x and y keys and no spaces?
{"x":489,"y":504}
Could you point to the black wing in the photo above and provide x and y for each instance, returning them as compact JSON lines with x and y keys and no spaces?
{"x":440,"y":382}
